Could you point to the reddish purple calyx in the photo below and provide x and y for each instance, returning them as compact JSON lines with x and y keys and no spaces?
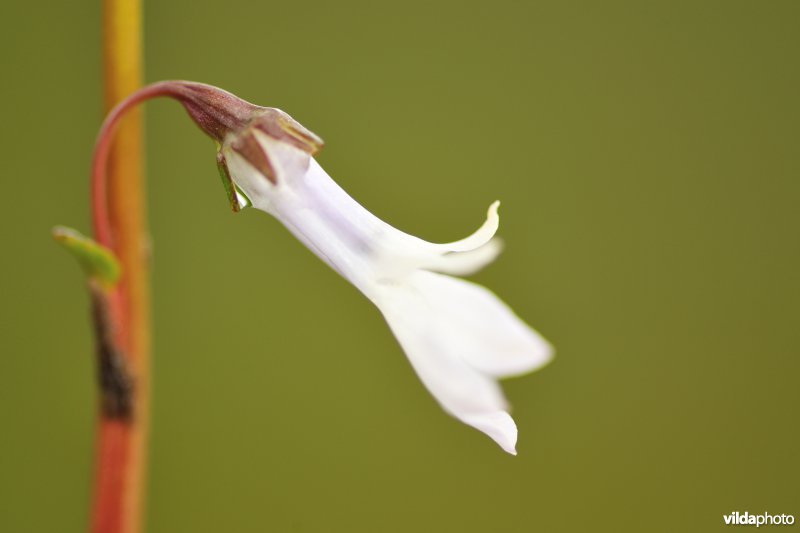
{"x":224,"y":117}
{"x":220,"y":113}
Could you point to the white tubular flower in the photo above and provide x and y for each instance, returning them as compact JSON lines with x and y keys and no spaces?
{"x":458,"y":336}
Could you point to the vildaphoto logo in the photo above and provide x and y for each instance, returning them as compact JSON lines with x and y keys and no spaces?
{"x":746,"y":519}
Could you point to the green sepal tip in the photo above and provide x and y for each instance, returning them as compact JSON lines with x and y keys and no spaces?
{"x":237,"y":199}
{"x":98,"y":262}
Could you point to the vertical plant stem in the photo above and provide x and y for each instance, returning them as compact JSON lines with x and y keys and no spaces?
{"x":121,"y":446}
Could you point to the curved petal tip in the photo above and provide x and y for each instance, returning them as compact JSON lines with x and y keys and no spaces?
{"x":498,"y":425}
{"x":483,"y":235}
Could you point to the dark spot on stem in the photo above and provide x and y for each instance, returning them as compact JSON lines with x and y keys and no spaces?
{"x":115,"y":380}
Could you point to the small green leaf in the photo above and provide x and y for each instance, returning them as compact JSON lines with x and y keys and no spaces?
{"x":97,"y":261}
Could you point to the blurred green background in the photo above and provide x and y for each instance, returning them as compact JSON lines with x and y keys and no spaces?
{"x":646,"y":154}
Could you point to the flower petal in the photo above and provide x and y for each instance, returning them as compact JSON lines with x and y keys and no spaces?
{"x":481,"y":328}
{"x":480,"y":237}
{"x":465,"y":263}
{"x":299,"y":181}
{"x":453,"y":334}
{"x":499,"y":426}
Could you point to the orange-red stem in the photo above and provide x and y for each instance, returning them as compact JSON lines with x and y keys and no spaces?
{"x":121,"y":440}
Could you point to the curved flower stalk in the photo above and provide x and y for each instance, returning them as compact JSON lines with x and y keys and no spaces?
{"x":459,"y":337}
